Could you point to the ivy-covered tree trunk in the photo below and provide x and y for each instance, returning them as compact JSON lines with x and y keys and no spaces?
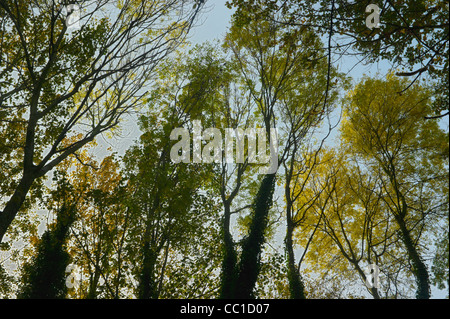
{"x":296,"y":287}
{"x":228,"y":279}
{"x":150,"y":250}
{"x":147,"y":284}
{"x":419,"y":268}
{"x":249,"y":265}
{"x":45,"y":276}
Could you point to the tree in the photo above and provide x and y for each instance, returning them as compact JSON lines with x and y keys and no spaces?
{"x":149,"y":198}
{"x":341,"y":206}
{"x":162,"y":198}
{"x":57,"y":82}
{"x":294,"y":88}
{"x":413,"y":35}
{"x":280,"y":67}
{"x":306,"y":112}
{"x":97,"y":224}
{"x":44,"y":277}
{"x":97,"y":241}
{"x":385,"y":129}
{"x":169,"y":198}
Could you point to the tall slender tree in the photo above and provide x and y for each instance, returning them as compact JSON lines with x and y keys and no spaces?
{"x":385,"y":129}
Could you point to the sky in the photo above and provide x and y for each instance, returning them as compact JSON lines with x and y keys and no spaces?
{"x":213,"y":23}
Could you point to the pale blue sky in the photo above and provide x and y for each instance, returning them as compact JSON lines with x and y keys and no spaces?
{"x":213,"y":23}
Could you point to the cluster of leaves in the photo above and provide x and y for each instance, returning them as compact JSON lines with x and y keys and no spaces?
{"x":413,"y":35}
{"x":380,"y":195}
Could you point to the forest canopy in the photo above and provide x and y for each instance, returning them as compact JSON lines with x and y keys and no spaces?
{"x":261,"y":168}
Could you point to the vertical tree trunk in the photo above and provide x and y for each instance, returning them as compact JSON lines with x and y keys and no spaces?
{"x":419,"y":268}
{"x":92,"y":293}
{"x":248,"y":268}
{"x":296,"y":287}
{"x":163,"y":270}
{"x":228,"y":279}
{"x":147,"y":283}
{"x":45,"y":276}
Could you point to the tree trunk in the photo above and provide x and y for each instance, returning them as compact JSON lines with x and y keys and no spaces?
{"x":45,"y":277}
{"x":15,"y":202}
{"x":147,"y":284}
{"x":419,"y":268}
{"x":373,"y":290}
{"x":228,"y":279}
{"x":92,"y":293}
{"x":248,"y":268}
{"x":296,"y":287}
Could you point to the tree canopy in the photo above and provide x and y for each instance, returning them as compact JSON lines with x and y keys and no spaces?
{"x":261,"y":168}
